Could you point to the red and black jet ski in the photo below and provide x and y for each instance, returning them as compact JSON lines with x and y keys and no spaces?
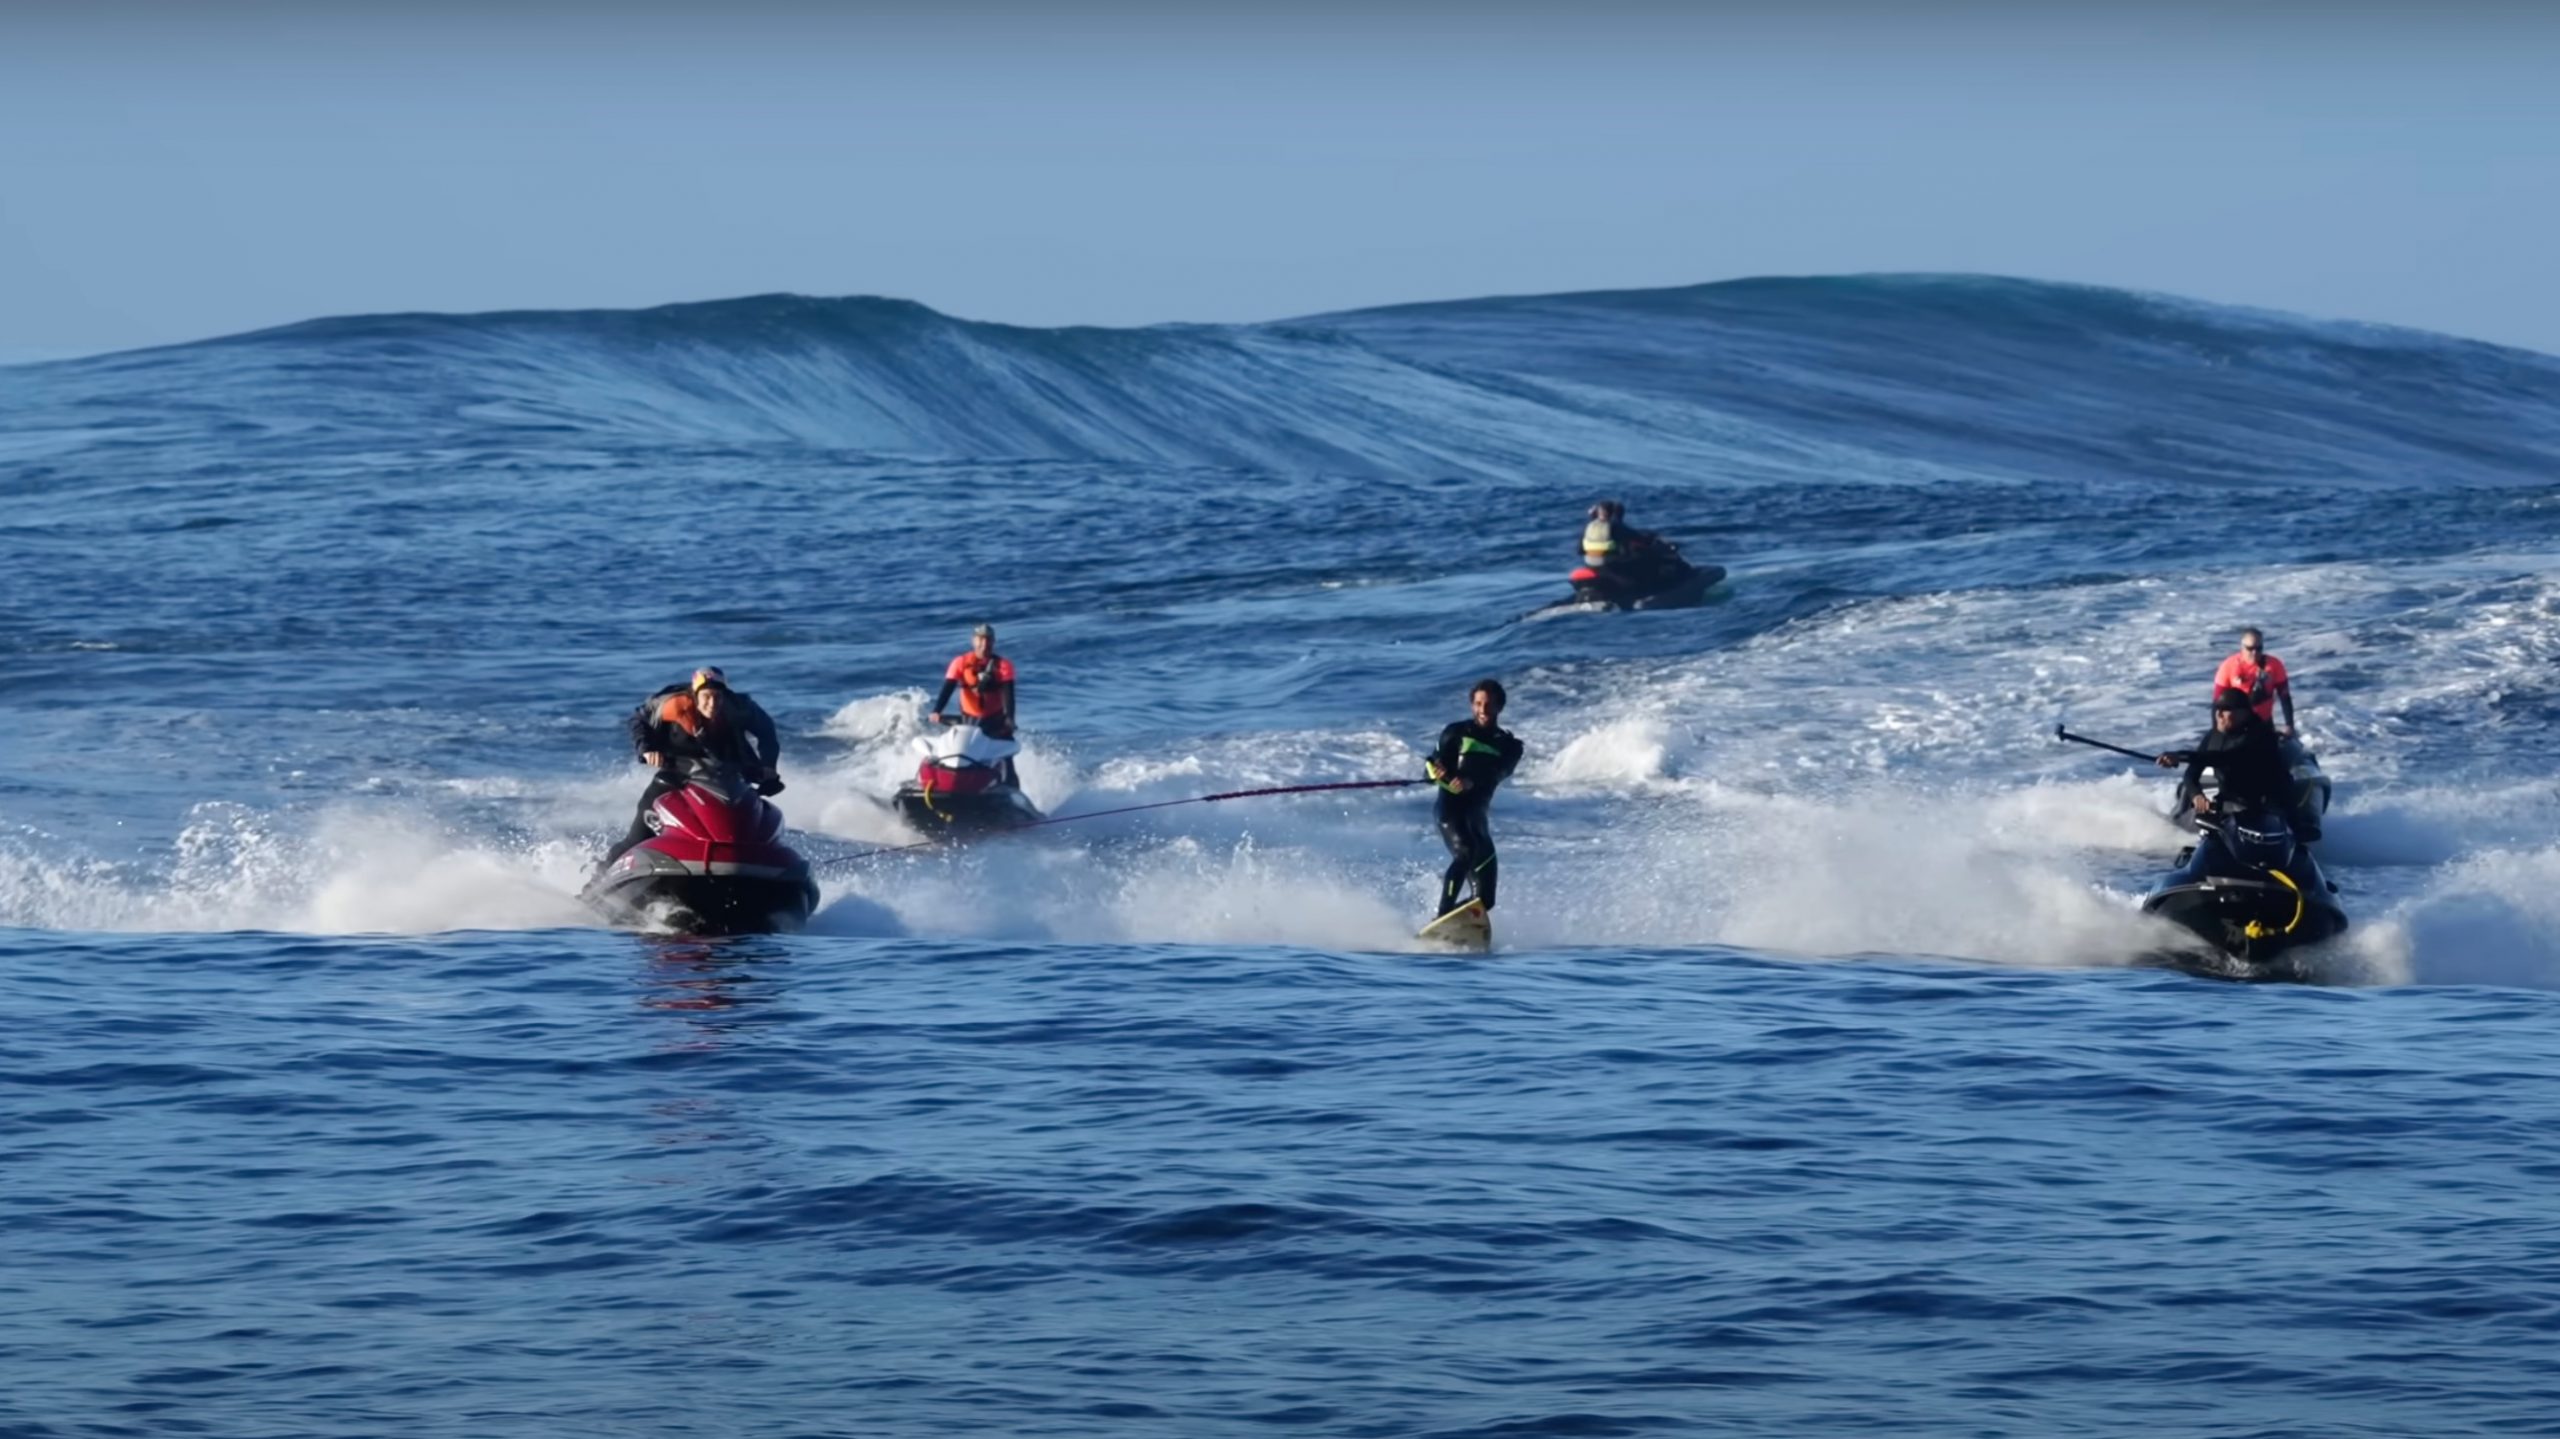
{"x":1677,"y":586}
{"x":965,"y":784}
{"x":717,"y":864}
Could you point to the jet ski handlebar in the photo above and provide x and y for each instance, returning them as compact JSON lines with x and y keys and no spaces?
{"x":690,"y":767}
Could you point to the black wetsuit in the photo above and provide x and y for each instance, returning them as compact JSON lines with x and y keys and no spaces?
{"x":2249,"y":761}
{"x":743,"y":719}
{"x":1483,"y":756}
{"x":744,"y":737}
{"x":1640,"y":562}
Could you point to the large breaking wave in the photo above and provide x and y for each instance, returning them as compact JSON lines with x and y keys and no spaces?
{"x":1892,"y":377}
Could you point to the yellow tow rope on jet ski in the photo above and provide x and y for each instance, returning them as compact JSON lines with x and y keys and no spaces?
{"x":2256,"y":930}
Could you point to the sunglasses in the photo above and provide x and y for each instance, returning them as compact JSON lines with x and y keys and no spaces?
{"x":2248,"y":649}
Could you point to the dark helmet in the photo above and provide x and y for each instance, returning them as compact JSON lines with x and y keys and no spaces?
{"x":2227,"y":698}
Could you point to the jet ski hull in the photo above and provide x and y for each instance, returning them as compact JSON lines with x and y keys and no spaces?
{"x":979,"y":812}
{"x":716,"y":865}
{"x":2310,"y":787}
{"x":1687,"y":592}
{"x":649,"y":888}
{"x":2255,"y":927}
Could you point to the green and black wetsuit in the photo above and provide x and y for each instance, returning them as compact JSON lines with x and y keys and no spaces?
{"x":1483,"y":756}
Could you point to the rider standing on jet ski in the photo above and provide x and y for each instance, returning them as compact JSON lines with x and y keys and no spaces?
{"x":1475,"y":755}
{"x":2244,"y":753}
{"x":984,"y":680}
{"x":2259,"y":675}
{"x":704,"y":720}
{"x":1625,"y":558}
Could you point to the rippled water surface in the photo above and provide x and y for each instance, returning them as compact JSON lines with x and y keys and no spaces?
{"x":891,"y":1186}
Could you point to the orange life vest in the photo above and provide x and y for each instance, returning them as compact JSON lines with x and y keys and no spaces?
{"x":979,"y":678}
{"x":679,"y":711}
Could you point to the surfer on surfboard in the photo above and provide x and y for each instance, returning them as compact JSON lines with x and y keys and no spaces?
{"x":1475,"y":755}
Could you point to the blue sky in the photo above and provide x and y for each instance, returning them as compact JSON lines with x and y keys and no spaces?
{"x":169,"y":174}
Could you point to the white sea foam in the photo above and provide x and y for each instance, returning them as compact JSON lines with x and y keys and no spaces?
{"x":1623,"y":751}
{"x":2491,"y":918}
{"x":2040,"y":875}
{"x":342,"y":870}
{"x":1876,"y":778}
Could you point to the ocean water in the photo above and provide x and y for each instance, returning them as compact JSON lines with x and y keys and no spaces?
{"x":1814,"y":1088}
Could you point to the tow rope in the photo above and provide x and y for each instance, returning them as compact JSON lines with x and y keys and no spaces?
{"x":1127,"y":809}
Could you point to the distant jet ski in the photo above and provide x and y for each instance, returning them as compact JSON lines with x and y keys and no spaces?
{"x":1597,"y":591}
{"x":2309,"y":801}
{"x":965,"y":784}
{"x":717,"y":864}
{"x":2251,"y":891}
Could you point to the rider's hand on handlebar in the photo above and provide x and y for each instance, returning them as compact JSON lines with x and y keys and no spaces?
{"x":653,"y":759}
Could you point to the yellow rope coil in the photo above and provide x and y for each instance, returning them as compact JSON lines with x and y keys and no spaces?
{"x":2300,"y":907}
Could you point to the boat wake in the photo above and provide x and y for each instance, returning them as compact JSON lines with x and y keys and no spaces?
{"x":1605,"y":848}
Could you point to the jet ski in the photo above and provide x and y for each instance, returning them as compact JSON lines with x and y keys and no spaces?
{"x":965,"y":784}
{"x":2310,"y":798}
{"x":1679,"y":587}
{"x":2251,"y":891}
{"x":717,"y":864}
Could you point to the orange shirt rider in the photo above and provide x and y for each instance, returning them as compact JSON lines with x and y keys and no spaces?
{"x":2260,"y":675}
{"x":984,"y":680}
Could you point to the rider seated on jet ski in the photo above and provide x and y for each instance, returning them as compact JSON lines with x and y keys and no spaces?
{"x":704,"y":720}
{"x":2245,"y":755}
{"x":984,"y":680}
{"x":1624,"y":558}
